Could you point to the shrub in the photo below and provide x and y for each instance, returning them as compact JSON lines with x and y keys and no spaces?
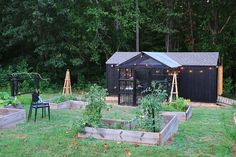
{"x":63,"y":98}
{"x":96,"y":102}
{"x":149,"y":116}
{"x":6,"y":99}
{"x":228,"y":87}
{"x":180,"y":104}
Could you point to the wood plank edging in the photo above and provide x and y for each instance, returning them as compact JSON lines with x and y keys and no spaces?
{"x":169,"y":130}
{"x":131,"y":136}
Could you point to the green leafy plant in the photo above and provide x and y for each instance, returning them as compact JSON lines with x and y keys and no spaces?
{"x":149,"y":116}
{"x":180,"y":104}
{"x":6,"y":99}
{"x":228,"y":87}
{"x":63,"y":98}
{"x":96,"y":102}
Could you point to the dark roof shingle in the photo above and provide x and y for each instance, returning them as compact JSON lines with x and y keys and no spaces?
{"x":195,"y":58}
{"x":182,"y":58}
{"x":120,"y":57}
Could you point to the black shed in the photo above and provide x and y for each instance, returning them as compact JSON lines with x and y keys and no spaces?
{"x":129,"y":73}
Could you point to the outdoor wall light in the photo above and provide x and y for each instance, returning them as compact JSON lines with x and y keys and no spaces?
{"x":190,"y":71}
{"x":210,"y":68}
{"x":182,"y":68}
{"x":112,"y":65}
{"x":167,"y":70}
{"x":201,"y":71}
{"x":157,"y":71}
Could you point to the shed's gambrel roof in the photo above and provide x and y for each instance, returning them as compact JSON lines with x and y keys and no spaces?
{"x":195,"y":58}
{"x":120,"y":57}
{"x":171,"y":59}
{"x":163,"y":58}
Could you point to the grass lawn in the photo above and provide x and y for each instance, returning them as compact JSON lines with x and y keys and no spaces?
{"x":210,"y":132}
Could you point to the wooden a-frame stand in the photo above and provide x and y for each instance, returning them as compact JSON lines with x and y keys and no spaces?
{"x":174,"y":88}
{"x":67,"y":84}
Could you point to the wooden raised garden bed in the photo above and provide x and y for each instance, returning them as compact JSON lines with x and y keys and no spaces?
{"x":9,"y":117}
{"x":235,"y":117}
{"x":181,"y":116}
{"x":71,"y":104}
{"x":139,"y":137}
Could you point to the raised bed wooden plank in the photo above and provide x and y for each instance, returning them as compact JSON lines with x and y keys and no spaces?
{"x":189,"y":112}
{"x":225,"y":100}
{"x":71,"y":104}
{"x":181,"y":116}
{"x":169,"y":130}
{"x":123,"y":135}
{"x":11,"y":117}
{"x":235,"y":118}
{"x":122,"y":123}
{"x":140,"y":137}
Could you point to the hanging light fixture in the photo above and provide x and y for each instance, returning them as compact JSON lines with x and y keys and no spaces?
{"x":210,"y":68}
{"x":201,"y":71}
{"x":190,"y":71}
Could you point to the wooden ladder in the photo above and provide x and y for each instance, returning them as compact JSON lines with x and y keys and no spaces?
{"x":67,"y":84}
{"x":174,"y":86}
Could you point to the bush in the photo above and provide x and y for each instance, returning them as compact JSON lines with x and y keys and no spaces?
{"x":180,"y":104}
{"x":228,"y":87}
{"x":6,"y":99}
{"x":149,"y":117}
{"x":96,"y":102}
{"x":63,"y":98}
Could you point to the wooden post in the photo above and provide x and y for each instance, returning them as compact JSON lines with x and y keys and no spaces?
{"x":13,"y":87}
{"x":174,"y":88}
{"x":67,"y":84}
{"x":220,"y":80}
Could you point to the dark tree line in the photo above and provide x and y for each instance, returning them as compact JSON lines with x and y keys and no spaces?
{"x":53,"y":35}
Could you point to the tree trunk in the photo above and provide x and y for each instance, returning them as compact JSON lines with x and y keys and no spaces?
{"x":137,"y":28}
{"x":169,"y":25}
{"x":190,"y":14}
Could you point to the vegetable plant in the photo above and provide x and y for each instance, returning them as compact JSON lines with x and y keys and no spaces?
{"x":149,"y":116}
{"x":63,"y":98}
{"x":6,"y":99}
{"x":96,"y":102}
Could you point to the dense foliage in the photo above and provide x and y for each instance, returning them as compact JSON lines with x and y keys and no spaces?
{"x":96,"y":102}
{"x":149,"y":116}
{"x":180,"y":104}
{"x":6,"y":99}
{"x":51,"y":36}
{"x":63,"y":98}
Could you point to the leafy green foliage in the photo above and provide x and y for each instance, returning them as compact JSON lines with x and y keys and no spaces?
{"x":150,"y":107}
{"x":228,"y":87}
{"x":63,"y":98}
{"x":6,"y":99}
{"x":96,"y":102}
{"x":51,"y":36}
{"x":180,"y":104}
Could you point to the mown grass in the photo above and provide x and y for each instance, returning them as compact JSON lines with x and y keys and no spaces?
{"x":210,"y":132}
